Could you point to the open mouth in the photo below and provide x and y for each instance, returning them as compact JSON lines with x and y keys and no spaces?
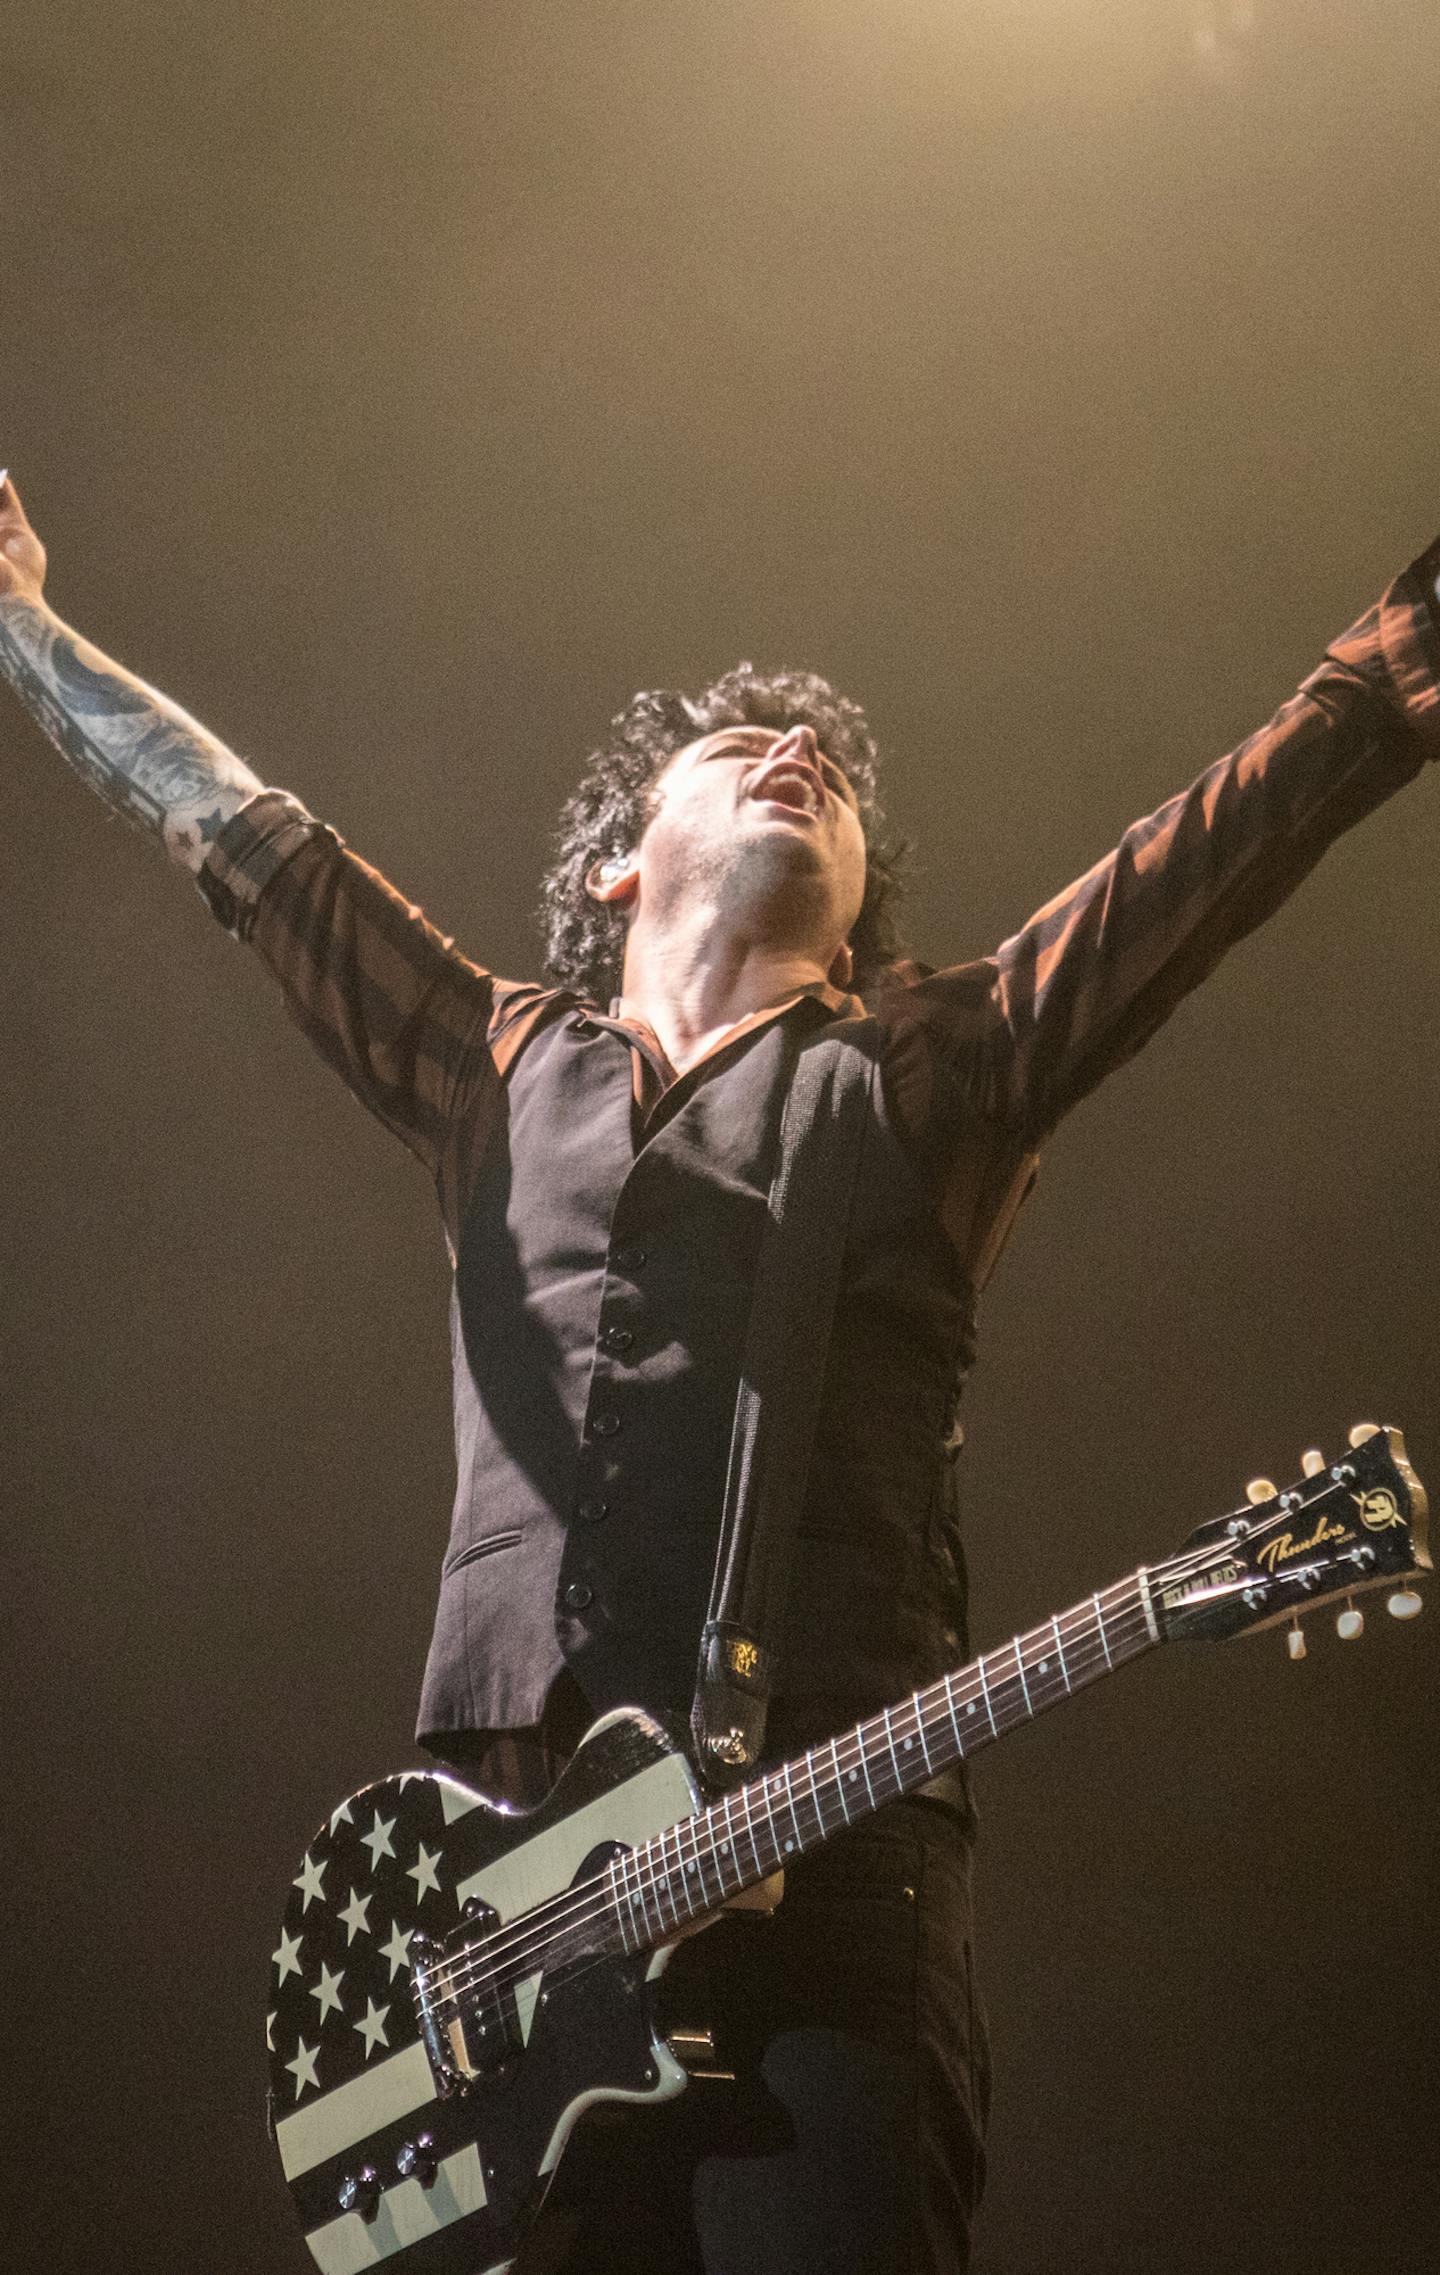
{"x":789,"y":783}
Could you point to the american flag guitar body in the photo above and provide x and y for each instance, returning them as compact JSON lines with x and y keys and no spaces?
{"x":455,"y":1983}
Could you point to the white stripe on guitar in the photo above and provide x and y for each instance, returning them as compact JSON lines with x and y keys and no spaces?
{"x":407,"y":2214}
{"x":326,"y":2127}
{"x":651,"y":1801}
{"x":456,"y":1801}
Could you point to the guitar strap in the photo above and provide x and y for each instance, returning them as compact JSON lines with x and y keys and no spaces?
{"x":782,"y":1372}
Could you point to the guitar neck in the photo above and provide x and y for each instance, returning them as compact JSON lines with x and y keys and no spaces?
{"x":703,"y":1860}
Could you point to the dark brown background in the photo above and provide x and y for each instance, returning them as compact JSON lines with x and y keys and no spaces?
{"x":400,"y":386}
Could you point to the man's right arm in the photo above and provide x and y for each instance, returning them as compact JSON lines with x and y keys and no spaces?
{"x":386,"y":1000}
{"x":148,"y":759}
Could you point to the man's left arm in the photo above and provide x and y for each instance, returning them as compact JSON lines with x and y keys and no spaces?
{"x":1092,"y":975}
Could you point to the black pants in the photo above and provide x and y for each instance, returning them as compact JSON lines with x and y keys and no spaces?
{"x":851,"y":2140}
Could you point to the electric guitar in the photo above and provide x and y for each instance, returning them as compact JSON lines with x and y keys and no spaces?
{"x":457,"y":1982}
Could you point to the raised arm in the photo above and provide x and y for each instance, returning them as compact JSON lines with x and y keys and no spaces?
{"x":1094,"y":973}
{"x":385,"y":998}
{"x":140,"y":752}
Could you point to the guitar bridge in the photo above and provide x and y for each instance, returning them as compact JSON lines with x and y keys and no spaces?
{"x":695,"y":2051}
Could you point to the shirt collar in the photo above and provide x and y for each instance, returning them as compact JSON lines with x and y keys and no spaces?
{"x":833,"y":999}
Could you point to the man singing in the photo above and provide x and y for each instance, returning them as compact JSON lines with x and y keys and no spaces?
{"x":603,"y":1149}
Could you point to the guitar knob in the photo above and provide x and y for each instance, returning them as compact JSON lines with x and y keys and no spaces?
{"x":1362,"y":1431}
{"x":1349,"y":1624}
{"x":1260,"y":1489}
{"x":360,"y":2192}
{"x":1312,"y":1463}
{"x":415,"y":2160}
{"x":1295,"y":1641}
{"x":1405,"y":1603}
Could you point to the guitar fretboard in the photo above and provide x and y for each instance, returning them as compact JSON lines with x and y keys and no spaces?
{"x":697,"y":1864}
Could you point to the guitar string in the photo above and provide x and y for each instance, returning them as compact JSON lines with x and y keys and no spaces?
{"x":496,"y":1981}
{"x":498,"y":1956}
{"x":497,"y":1959}
{"x":560,"y":1911}
{"x":1080,"y":1621}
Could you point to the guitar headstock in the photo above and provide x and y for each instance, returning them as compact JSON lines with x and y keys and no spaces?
{"x":1353,"y":1523}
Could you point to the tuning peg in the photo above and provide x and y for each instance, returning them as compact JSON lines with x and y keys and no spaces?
{"x":1312,"y":1462}
{"x":1260,"y":1489}
{"x":1362,"y":1431}
{"x":1406,"y":1603}
{"x":1350,"y":1622}
{"x":1295,"y":1640}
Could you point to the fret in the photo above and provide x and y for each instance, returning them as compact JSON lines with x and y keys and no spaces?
{"x":660,"y":1889}
{"x":744,"y":1795}
{"x":919,"y":1713}
{"x":727,"y":1864}
{"x":640,"y":1891}
{"x":799,"y":1840}
{"x":1100,"y":1624}
{"x":691,"y":1868}
{"x":659,"y":1877}
{"x":720,"y":1845}
{"x":628,"y":1940}
{"x":820,"y":1825}
{"x":839,"y":1779}
{"x":865,"y":1765}
{"x":954,"y":1717}
{"x":890,"y":1741}
{"x":623,"y":1871}
{"x":705,"y":1859}
{"x":756,"y":1826}
{"x":985,"y":1695}
{"x":771,"y":1834}
{"x":681,"y":1892}
{"x":1060,"y":1650}
{"x":1020,"y":1671}
{"x":713,"y":1857}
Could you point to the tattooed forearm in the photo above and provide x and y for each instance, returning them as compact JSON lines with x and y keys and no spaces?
{"x":144,"y":756}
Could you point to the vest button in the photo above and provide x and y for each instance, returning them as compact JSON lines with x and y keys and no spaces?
{"x":605,"y":1426}
{"x":592,"y":1512}
{"x":577,"y":1596}
{"x":630,"y":1258}
{"x":617,"y":1339}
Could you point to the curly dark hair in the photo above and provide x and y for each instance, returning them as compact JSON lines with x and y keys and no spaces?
{"x":606,"y":814}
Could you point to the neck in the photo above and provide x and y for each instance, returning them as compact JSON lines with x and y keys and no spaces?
{"x":692,"y":981}
{"x":759,"y":1828}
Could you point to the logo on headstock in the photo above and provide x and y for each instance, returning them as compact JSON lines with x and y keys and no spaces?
{"x":1285,"y":1546}
{"x":1379,"y":1509}
{"x":744,"y":1658}
{"x":1206,"y":1583}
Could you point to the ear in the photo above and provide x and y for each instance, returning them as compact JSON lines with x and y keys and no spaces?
{"x":613,"y":880}
{"x":842,"y":966}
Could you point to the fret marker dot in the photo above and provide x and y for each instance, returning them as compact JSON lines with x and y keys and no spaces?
{"x":1042,"y":1666}
{"x":909,"y":1742}
{"x":724,"y":1846}
{"x":970,"y":1709}
{"x":853,"y":1775}
{"x":788,"y":1846}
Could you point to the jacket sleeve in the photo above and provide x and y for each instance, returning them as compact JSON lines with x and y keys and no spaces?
{"x":1096,"y":971}
{"x":387,"y":1000}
